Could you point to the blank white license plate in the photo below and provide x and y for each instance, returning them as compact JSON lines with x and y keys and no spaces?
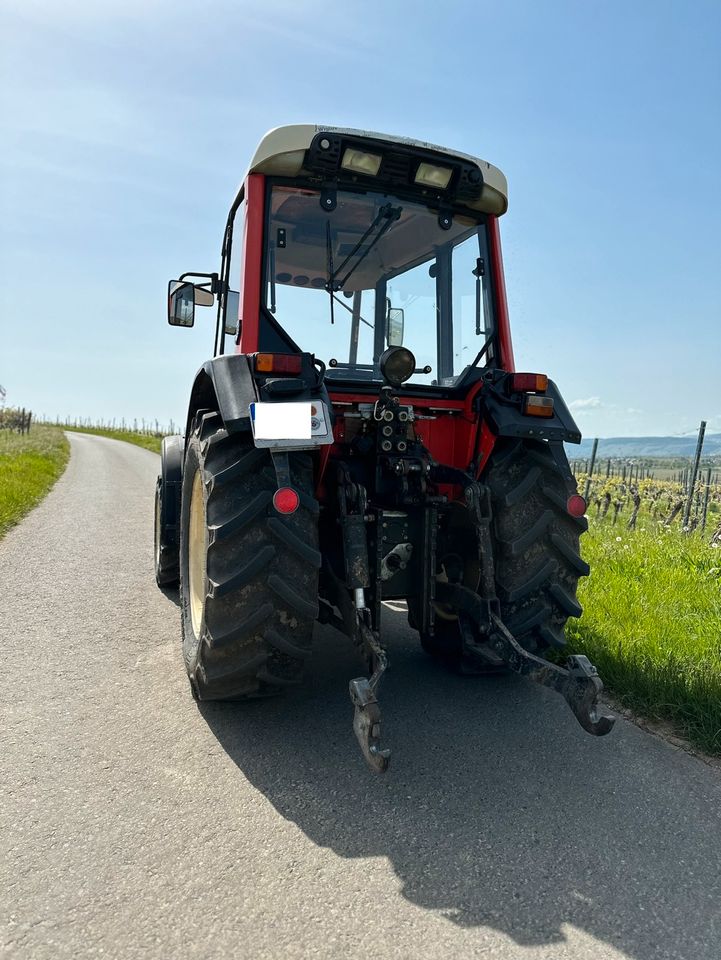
{"x":301,"y":423}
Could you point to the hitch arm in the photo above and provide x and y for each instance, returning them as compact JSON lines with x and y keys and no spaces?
{"x":579,"y":684}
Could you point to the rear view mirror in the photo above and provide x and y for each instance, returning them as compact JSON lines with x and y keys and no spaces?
{"x":203,"y":297}
{"x":181,"y":303}
{"x":232,"y":308}
{"x":395,"y":325}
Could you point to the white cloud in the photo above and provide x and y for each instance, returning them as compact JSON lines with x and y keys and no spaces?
{"x":592,"y":403}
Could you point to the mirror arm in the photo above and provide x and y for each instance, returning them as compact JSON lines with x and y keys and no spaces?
{"x":216,"y":284}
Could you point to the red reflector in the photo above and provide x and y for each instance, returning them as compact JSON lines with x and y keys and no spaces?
{"x":523,"y":382}
{"x":576,"y":505}
{"x":278,"y":362}
{"x":286,"y":500}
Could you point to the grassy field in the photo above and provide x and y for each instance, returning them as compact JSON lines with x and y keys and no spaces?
{"x":149,"y":441}
{"x":652,"y":623}
{"x":29,"y":466}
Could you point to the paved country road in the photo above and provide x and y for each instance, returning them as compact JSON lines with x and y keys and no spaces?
{"x":136,"y":824}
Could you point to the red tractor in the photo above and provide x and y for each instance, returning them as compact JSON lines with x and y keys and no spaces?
{"x":367,"y":438}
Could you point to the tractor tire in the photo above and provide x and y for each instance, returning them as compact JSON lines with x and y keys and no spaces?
{"x":167,"y":511}
{"x":536,"y":543}
{"x":248,"y":574}
{"x":167,"y":560}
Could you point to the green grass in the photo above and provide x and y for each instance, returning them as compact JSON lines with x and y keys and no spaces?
{"x":652,"y":624}
{"x":29,"y":466}
{"x":148,"y":441}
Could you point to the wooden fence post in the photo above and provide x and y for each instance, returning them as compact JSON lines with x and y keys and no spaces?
{"x":587,"y":490}
{"x":694,"y":473}
{"x":705,"y":501}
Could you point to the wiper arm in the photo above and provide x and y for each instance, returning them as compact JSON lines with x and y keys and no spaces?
{"x":329,"y":256}
{"x":350,"y":310}
{"x":387,"y":213}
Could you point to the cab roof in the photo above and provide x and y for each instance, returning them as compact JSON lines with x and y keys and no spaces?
{"x":282,"y":153}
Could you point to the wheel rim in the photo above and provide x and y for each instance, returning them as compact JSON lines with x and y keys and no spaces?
{"x":197,"y":554}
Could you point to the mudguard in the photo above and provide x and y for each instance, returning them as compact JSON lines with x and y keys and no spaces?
{"x":225,"y":384}
{"x":506,"y":418}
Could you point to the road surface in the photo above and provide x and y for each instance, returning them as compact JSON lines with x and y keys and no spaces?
{"x":136,"y":824}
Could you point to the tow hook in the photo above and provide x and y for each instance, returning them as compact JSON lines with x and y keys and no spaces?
{"x":367,"y":712}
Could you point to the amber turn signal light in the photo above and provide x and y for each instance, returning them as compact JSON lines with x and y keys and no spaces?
{"x":523,"y":382}
{"x":278,"y":362}
{"x":534,"y":406}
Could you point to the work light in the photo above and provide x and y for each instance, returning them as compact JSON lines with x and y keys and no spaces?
{"x":397,"y":365}
{"x":427,"y":175}
{"x":359,"y":162}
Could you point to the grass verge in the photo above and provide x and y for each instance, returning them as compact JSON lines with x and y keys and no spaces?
{"x":652,"y":625}
{"x":29,"y":466}
{"x":145,"y":440}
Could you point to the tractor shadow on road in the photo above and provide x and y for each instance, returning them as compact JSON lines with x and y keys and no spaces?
{"x":498,"y":810}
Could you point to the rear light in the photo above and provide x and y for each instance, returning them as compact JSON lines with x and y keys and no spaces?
{"x":535,"y":406}
{"x":278,"y":362}
{"x":286,"y":500}
{"x":523,"y":382}
{"x":576,"y":505}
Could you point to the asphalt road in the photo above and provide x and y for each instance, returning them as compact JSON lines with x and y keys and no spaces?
{"x":136,"y":824}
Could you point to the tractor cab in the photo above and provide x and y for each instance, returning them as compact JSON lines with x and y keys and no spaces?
{"x":363,"y":242}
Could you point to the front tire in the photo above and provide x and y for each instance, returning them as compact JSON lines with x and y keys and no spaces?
{"x":248,"y":575}
{"x":167,"y":567}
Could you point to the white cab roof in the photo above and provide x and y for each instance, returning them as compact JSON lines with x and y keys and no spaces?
{"x":281,"y":153}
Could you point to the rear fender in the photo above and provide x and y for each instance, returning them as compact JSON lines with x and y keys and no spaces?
{"x":225,"y":384}
{"x":505,"y":417}
{"x":229,"y":385}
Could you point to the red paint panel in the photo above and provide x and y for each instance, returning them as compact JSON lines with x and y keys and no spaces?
{"x":252,"y":263}
{"x":499,"y":286}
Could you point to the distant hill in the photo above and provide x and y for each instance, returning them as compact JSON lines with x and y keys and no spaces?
{"x":646,"y":447}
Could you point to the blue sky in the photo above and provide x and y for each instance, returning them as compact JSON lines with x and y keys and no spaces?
{"x":127,"y":125}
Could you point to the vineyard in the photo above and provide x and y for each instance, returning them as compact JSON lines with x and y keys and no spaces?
{"x":688,"y":494}
{"x":15,"y":420}
{"x":625,"y":502}
{"x":652,"y":604}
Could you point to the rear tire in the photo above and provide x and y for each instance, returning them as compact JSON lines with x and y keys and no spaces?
{"x":536,"y":543}
{"x":248,"y":575}
{"x":536,"y":551}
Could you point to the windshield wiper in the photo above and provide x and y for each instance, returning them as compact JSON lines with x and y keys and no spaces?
{"x":329,"y":256}
{"x":387,"y":213}
{"x":350,"y":310}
